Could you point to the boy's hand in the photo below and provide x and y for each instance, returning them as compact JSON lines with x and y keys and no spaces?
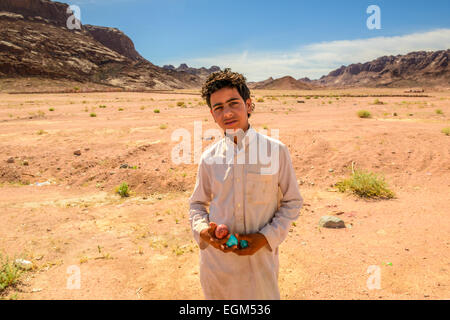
{"x":209,"y":236}
{"x":255,"y":242}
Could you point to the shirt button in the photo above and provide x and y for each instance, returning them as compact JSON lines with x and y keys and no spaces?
{"x":239,"y":205}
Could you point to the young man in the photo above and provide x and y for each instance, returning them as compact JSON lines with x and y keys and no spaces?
{"x":256,"y":196}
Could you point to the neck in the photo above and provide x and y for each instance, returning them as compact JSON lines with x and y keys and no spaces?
{"x":235,"y":137}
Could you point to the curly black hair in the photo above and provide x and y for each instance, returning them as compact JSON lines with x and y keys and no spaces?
{"x":225,"y":79}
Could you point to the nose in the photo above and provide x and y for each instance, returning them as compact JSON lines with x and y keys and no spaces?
{"x":227,"y":113}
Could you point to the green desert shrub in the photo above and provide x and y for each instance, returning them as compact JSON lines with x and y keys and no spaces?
{"x":377,"y":101}
{"x":366,"y":185}
{"x":446,"y":131}
{"x":364,"y":114}
{"x":9,"y":273}
{"x":41,"y":132}
{"x":123,"y":190}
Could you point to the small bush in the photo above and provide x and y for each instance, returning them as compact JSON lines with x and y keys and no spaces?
{"x":123,"y":190}
{"x":181,"y":104}
{"x":120,"y":109}
{"x":378,"y":102}
{"x":51,"y":109}
{"x":260,"y":100}
{"x":102,"y":106}
{"x":9,"y":273}
{"x":156,"y":111}
{"x":364,"y":114}
{"x":163,"y":126}
{"x":41,"y":132}
{"x":92,"y":114}
{"x":446,"y":131}
{"x":439,"y":111}
{"x":366,"y":185}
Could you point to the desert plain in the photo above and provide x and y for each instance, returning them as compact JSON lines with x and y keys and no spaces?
{"x":64,"y":154}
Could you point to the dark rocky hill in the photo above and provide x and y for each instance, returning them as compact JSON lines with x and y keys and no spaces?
{"x":35,"y":41}
{"x":413,"y":69}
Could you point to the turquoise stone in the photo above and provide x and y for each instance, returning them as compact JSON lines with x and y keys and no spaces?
{"x":232,"y":241}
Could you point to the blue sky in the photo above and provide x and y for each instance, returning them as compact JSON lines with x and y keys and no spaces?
{"x":272,"y":38}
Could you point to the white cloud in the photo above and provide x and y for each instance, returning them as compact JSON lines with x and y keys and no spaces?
{"x":317,"y":59}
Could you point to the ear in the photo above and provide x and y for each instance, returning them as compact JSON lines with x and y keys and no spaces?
{"x":248,"y":104}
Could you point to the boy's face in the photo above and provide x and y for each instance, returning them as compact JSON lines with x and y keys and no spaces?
{"x":229,"y":110}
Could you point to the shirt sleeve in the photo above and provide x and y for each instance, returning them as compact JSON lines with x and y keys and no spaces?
{"x":198,"y":203}
{"x":277,"y":229}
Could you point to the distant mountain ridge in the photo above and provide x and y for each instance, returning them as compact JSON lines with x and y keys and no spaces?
{"x":422,"y":68}
{"x":201,"y":72}
{"x":284,"y":83}
{"x":419,"y":68}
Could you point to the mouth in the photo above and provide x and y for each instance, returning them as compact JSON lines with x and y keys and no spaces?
{"x":230,"y":122}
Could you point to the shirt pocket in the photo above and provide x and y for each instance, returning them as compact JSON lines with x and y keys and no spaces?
{"x":260,"y":188}
{"x":222,"y":182}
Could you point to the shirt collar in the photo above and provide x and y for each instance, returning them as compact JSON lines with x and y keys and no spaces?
{"x":246,"y":136}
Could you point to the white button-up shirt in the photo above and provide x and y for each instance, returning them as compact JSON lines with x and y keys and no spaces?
{"x":249,"y":191}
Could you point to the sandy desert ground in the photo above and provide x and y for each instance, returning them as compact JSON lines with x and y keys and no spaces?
{"x":141,"y":247}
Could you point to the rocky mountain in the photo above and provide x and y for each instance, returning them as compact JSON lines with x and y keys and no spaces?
{"x":203,"y":72}
{"x":35,"y":41}
{"x":284,"y":83}
{"x":413,"y":69}
{"x":114,"y":39}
